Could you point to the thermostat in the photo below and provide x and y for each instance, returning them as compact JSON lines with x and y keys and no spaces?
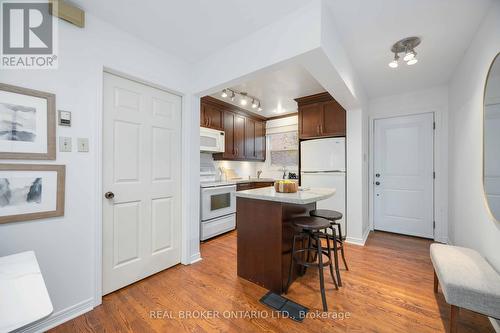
{"x":64,"y":118}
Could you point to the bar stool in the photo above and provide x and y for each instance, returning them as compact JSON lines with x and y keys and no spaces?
{"x":310,"y":229}
{"x":333,"y":217}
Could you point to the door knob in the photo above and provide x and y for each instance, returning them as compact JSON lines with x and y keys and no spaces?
{"x":109,"y":195}
{"x":377,"y":175}
{"x":377,"y":183}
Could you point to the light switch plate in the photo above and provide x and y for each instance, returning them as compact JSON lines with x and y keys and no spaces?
{"x":65,"y":144}
{"x":83,"y":145}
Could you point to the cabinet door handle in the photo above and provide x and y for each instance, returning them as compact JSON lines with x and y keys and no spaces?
{"x":209,"y":121}
{"x":320,"y":129}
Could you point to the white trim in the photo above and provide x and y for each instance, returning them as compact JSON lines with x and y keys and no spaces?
{"x":195,"y":258}
{"x":60,"y":317}
{"x":99,"y":189}
{"x":440,"y":167}
{"x":359,"y":241}
{"x":495,"y":324}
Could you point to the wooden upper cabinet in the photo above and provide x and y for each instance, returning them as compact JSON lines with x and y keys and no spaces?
{"x":320,"y":116}
{"x":260,"y":140}
{"x":334,"y":121}
{"x":228,"y":135}
{"x":211,"y":116}
{"x":245,"y":133}
{"x":310,"y":120}
{"x":250,"y":138}
{"x":239,"y":137}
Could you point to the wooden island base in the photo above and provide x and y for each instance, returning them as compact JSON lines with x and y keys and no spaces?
{"x":265,"y":239}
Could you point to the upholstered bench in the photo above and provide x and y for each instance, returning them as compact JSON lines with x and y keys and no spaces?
{"x":467,"y":281}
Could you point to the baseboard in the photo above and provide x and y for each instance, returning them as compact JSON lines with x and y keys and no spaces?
{"x":59,"y":317}
{"x":496,"y":324}
{"x":359,"y":241}
{"x":195,"y":258}
{"x":443,"y":240}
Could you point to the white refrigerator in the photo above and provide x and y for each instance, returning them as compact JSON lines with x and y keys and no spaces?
{"x":323,"y":164}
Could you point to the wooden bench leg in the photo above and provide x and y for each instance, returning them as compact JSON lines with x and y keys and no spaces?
{"x":454,"y":319}
{"x":436,"y":282}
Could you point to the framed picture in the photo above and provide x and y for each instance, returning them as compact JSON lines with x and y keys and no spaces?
{"x":27,"y":124}
{"x":31,"y":191}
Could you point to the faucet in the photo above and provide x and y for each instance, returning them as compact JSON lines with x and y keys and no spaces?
{"x":259,"y":173}
{"x":222,"y":173}
{"x":284,"y":171}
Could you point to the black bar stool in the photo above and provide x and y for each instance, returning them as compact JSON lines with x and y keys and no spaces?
{"x":310,"y":229}
{"x":333,"y":217}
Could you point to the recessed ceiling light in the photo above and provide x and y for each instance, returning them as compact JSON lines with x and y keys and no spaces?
{"x":224,"y":93}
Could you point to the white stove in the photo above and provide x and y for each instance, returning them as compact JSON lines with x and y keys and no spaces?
{"x":217,"y":205}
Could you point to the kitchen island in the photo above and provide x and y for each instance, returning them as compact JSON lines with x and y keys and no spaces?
{"x":265,"y":234}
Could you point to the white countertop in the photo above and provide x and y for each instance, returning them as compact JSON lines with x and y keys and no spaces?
{"x":302,"y":197}
{"x":23,"y":295}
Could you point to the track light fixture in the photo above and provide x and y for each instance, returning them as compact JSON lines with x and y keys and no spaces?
{"x":406,"y":46}
{"x":243,"y":97}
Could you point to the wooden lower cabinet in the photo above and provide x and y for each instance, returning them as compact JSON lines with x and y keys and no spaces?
{"x":252,"y":185}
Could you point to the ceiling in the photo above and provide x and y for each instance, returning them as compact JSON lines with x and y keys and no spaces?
{"x":192,"y":29}
{"x":277,"y":90}
{"x":189,"y":29}
{"x":369,"y":28}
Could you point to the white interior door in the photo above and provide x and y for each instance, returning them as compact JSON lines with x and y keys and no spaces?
{"x":403,"y":175}
{"x":141,"y":167}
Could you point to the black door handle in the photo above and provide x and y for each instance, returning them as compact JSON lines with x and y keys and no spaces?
{"x":109,"y":195}
{"x":377,"y":183}
{"x":377,"y":175}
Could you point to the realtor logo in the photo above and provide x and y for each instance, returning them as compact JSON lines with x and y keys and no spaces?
{"x":28,"y":35}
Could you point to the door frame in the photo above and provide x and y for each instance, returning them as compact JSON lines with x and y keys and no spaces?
{"x":98,"y":234}
{"x":440,"y":167}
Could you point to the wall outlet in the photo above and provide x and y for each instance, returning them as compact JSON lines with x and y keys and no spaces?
{"x":83,"y":145}
{"x":65,"y":144}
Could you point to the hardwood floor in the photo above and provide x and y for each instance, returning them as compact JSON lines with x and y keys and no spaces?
{"x":389,"y":288}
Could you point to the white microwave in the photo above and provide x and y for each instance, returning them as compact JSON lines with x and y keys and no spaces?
{"x":211,"y":140}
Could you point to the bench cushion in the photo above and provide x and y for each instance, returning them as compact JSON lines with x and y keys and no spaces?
{"x":467,"y":280}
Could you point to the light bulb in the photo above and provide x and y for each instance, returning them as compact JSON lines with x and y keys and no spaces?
{"x":409,"y":55}
{"x":243,"y":101}
{"x":260,"y":109}
{"x":393,"y":64}
{"x":412,"y":61}
{"x":254,"y":104}
{"x":224,"y":93}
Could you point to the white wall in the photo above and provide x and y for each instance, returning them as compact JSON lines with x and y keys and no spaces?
{"x":429,"y":100}
{"x":67,"y":247}
{"x":470,"y":222}
{"x":332,"y":68}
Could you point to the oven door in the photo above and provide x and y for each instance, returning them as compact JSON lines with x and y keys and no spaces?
{"x":217,"y":201}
